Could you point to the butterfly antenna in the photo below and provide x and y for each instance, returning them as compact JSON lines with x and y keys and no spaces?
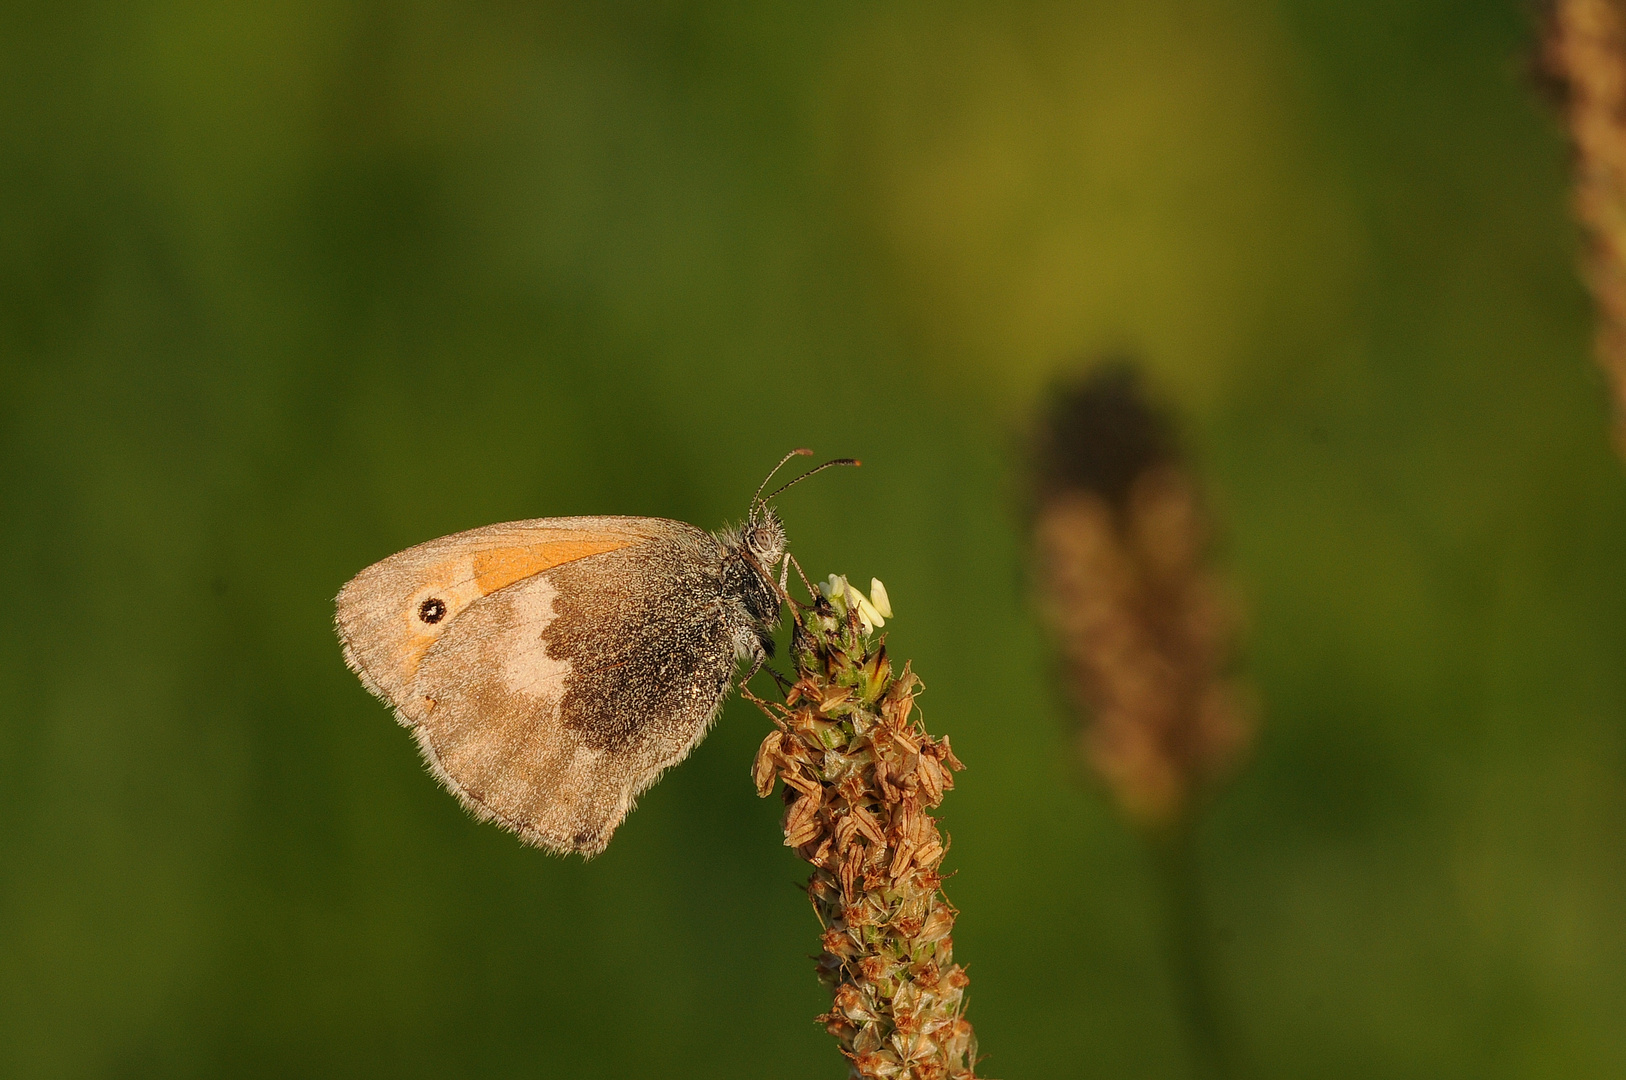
{"x":756,"y":499}
{"x":854,"y":462}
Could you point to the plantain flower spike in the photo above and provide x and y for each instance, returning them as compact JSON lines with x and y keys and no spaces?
{"x":1140,"y":622}
{"x":859,"y":775}
{"x":1584,"y":58}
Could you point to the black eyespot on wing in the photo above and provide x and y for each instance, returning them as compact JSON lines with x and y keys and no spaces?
{"x":432,"y":610}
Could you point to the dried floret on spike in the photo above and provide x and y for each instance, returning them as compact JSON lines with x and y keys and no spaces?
{"x":859,"y":773}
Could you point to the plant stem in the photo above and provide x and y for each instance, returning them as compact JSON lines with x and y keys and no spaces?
{"x":1191,"y":958}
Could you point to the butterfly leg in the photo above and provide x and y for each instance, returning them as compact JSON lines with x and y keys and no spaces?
{"x":759,"y":657}
{"x":790,"y":560}
{"x":759,"y":662}
{"x":781,"y":681}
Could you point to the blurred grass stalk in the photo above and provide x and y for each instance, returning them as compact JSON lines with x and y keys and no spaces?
{"x":860,"y":772}
{"x":1584,"y":58}
{"x":1145,"y":636}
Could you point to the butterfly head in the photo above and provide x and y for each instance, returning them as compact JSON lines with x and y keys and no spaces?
{"x":763,"y":535}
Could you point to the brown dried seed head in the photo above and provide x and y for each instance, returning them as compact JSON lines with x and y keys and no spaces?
{"x":900,"y":860}
{"x":851,"y":869}
{"x":794,"y":779}
{"x":852,"y":787}
{"x":868,"y":825}
{"x":867,"y":1040}
{"x":844,"y":831}
{"x":802,"y":825}
{"x":766,"y":764}
{"x":881,"y":1065}
{"x":909,"y":926}
{"x":840,"y":943}
{"x":929,"y":855}
{"x":937,"y":924}
{"x":852,"y":1004}
{"x":904,"y":739}
{"x":931,"y":779}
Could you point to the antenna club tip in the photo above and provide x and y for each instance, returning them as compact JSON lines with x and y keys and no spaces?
{"x":856,"y":463}
{"x":801,"y":451}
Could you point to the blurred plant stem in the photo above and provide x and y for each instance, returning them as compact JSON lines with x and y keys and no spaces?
{"x":1191,"y":956}
{"x":859,"y":772}
{"x":1145,"y":636}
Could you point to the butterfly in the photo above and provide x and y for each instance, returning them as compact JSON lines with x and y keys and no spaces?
{"x":551,"y":670}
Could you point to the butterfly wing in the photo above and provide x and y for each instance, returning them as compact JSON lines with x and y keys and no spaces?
{"x":391,"y":613}
{"x":550,"y":670}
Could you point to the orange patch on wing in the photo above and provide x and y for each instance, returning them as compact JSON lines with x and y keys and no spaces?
{"x":496,"y":569}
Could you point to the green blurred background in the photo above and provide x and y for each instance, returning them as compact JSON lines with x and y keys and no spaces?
{"x":288,"y":286}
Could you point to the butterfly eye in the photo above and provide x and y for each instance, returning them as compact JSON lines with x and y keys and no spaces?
{"x":432,"y":610}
